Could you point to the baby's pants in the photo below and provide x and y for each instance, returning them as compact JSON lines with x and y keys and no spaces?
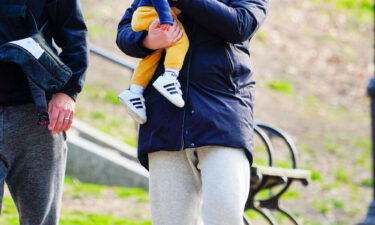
{"x":175,"y":54}
{"x":207,"y":184}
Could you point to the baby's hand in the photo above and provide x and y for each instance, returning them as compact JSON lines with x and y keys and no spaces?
{"x":176,"y":11}
{"x":165,"y":27}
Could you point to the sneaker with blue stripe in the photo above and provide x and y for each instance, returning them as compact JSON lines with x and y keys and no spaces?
{"x":134,"y":105}
{"x":170,"y":88}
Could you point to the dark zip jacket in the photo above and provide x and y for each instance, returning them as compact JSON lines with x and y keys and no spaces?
{"x":162,"y":8}
{"x":67,"y":29}
{"x":216,"y":78}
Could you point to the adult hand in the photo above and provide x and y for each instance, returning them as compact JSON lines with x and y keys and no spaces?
{"x":61,"y":112}
{"x":158,"y":38}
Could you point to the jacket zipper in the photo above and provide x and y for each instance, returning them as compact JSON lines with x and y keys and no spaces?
{"x":187,"y":94}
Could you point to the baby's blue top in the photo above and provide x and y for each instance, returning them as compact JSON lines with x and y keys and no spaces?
{"x":162,"y":8}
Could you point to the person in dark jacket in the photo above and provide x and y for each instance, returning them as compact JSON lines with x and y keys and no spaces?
{"x":198,"y":156}
{"x":33,"y":157}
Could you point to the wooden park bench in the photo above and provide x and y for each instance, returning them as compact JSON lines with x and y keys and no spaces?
{"x":271,"y":177}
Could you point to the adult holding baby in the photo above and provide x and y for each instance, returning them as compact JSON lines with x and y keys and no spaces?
{"x":198,"y":156}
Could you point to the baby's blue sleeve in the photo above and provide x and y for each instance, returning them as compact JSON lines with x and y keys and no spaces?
{"x":164,"y":11}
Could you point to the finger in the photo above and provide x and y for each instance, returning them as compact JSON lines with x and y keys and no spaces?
{"x":178,"y":36}
{"x":54,"y":114}
{"x":67,"y":123}
{"x":70,"y":121}
{"x":50,"y":106}
{"x":59,"y":122}
{"x":176,"y":30}
{"x":175,"y":26}
{"x":155,"y":24}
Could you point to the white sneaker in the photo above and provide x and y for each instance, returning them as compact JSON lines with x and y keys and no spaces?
{"x":170,"y":89}
{"x":134,"y":105}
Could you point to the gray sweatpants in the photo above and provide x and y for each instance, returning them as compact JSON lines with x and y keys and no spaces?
{"x":207,"y":184}
{"x":32,"y":163}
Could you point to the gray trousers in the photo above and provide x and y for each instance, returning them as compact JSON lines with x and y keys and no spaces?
{"x":32,"y":163}
{"x":208,"y":185}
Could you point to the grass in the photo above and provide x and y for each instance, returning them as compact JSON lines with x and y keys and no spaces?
{"x":101,"y":108}
{"x":338,"y":204}
{"x":73,"y":217}
{"x":281,"y":86}
{"x":321,"y":206}
{"x":367,"y":182}
{"x":359,"y":10}
{"x":81,"y":218}
{"x":316,"y":176}
{"x":102,"y":94}
{"x":291,"y":194}
{"x":342,"y":176}
{"x":331,"y":147}
{"x":364,"y":144}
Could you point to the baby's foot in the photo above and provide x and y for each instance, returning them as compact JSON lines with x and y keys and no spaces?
{"x":170,"y":88}
{"x":134,"y":105}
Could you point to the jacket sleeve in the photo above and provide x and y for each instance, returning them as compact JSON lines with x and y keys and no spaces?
{"x":164,"y":11}
{"x":128,"y":41}
{"x":70,"y":34}
{"x":235,"y":22}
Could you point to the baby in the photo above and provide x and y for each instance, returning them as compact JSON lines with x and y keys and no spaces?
{"x":167,"y":84}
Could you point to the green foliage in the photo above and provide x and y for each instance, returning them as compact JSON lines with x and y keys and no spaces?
{"x":321,"y":206}
{"x":316,"y":176}
{"x":338,"y":204}
{"x":329,"y":187}
{"x":81,"y":218}
{"x":331,"y":147}
{"x":280,"y":218}
{"x":291,"y":194}
{"x":363,"y":152}
{"x":252,"y":214}
{"x":367,"y":182}
{"x":305,"y":149}
{"x":77,"y":188}
{"x":260,"y":35}
{"x":97,"y":115}
{"x":118,"y":126}
{"x":281,"y":86}
{"x":355,"y":212}
{"x":140,"y":194}
{"x":8,"y":206}
{"x":100,"y":93}
{"x":73,"y":186}
{"x":359,"y":10}
{"x":342,"y":176}
{"x":364,"y":144}
{"x":283,"y":164}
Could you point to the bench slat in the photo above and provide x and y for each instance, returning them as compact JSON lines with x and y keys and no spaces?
{"x":278,"y":171}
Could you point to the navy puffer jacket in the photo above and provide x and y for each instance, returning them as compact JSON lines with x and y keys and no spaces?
{"x":216,"y":78}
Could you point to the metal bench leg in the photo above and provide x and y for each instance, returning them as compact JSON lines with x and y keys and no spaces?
{"x":289,"y":215}
{"x":267,"y":215}
{"x":246,"y":220}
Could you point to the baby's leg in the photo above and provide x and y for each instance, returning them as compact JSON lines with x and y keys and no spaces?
{"x":168,"y":84}
{"x":141,"y":20}
{"x":146,"y":69}
{"x":175,"y":56}
{"x":133,"y":99}
{"x":143,"y":17}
